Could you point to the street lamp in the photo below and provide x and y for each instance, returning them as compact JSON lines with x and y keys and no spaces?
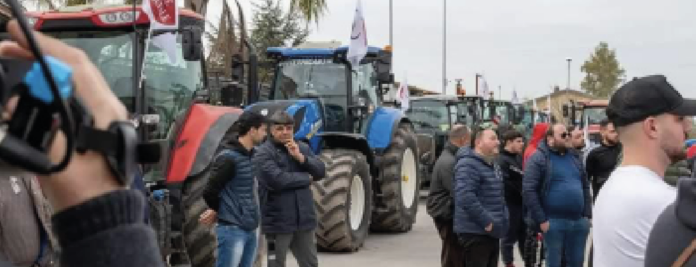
{"x":569,"y":60}
{"x":444,"y":48}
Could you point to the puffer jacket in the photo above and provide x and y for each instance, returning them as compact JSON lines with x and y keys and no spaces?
{"x":286,"y":198}
{"x":479,"y":198}
{"x":230,"y":190}
{"x":676,"y":171}
{"x":536,"y":184}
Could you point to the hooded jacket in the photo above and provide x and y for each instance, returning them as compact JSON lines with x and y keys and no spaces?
{"x":536,"y":184}
{"x":511,"y":170}
{"x":537,"y":137}
{"x":479,"y":198}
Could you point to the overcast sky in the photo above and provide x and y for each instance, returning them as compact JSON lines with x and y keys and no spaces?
{"x":522,"y":44}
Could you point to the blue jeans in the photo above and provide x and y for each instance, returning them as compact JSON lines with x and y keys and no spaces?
{"x":567,"y":236}
{"x":236,"y":247}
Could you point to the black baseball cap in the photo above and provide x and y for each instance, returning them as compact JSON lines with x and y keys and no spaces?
{"x":645,"y":97}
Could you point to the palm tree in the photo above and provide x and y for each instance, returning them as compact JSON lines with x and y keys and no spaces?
{"x":311,"y":10}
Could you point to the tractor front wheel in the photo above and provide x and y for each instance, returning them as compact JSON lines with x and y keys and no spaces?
{"x":200,"y":240}
{"x":343,"y":200}
{"x":400,"y":184}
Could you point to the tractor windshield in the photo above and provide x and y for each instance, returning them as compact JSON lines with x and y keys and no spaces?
{"x":170,"y":82}
{"x":429,"y":116}
{"x":594,"y":115}
{"x":298,"y":79}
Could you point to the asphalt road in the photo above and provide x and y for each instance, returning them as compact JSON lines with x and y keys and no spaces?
{"x":418,"y":248}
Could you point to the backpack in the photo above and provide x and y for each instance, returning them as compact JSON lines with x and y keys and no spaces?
{"x":685,"y":255}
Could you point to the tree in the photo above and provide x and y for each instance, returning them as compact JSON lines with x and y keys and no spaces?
{"x":310,"y":9}
{"x":272,"y":27}
{"x":603,"y":73}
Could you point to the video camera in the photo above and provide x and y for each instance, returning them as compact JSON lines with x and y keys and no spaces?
{"x":45,"y":105}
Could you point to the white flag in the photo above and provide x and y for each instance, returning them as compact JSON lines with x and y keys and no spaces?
{"x":485,"y":93}
{"x":163,"y":14}
{"x":167,"y":42}
{"x":515,"y":100}
{"x":403,"y":95}
{"x":358,"y":38}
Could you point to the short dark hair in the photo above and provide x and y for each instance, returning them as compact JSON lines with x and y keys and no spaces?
{"x":604,"y":123}
{"x":458,"y":131}
{"x":249,"y":120}
{"x":281,"y":118}
{"x":511,"y":135}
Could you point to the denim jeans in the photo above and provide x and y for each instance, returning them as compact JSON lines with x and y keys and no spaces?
{"x":569,"y":237}
{"x":236,"y":247}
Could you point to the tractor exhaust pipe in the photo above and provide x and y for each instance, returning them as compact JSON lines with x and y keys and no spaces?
{"x":252,"y":94}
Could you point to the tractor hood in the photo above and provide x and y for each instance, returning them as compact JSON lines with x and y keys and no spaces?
{"x":306,"y":113}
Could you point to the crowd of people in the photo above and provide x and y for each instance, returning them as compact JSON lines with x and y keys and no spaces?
{"x":484,"y":201}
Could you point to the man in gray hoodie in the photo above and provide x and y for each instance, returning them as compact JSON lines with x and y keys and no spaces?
{"x":480,"y":216}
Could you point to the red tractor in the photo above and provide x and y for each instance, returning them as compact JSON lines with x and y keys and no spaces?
{"x":587,"y":115}
{"x":171,"y":110}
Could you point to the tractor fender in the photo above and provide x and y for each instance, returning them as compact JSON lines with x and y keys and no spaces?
{"x":382,"y":126}
{"x":353,"y":142}
{"x":198,"y":140}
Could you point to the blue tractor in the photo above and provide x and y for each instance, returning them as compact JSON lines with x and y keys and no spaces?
{"x":370,"y":151}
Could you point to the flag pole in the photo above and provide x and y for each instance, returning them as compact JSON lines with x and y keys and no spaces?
{"x":142,"y":67}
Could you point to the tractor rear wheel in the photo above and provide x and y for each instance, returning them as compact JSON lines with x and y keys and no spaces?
{"x":343,"y":201}
{"x":200,"y":240}
{"x":400,"y":184}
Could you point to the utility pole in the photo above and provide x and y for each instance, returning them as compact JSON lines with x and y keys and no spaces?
{"x":569,"y":60}
{"x":477,"y":83}
{"x":391,"y":23}
{"x":444,"y":48}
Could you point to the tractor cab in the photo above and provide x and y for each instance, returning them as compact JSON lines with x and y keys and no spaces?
{"x":346,"y":94}
{"x":110,"y":39}
{"x":115,"y":37}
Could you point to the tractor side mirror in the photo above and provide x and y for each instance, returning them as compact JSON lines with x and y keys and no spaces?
{"x":472,"y":112}
{"x":192,"y":45}
{"x":383,"y":67}
{"x":237,"y":68}
{"x":566,"y":111}
{"x":519,"y":117}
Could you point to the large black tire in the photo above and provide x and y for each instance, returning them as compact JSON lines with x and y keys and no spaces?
{"x":395,"y":215}
{"x":333,"y":200}
{"x":200,"y":240}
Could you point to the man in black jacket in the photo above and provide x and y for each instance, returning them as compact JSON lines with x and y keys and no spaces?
{"x":231,"y":198}
{"x":510,"y":162}
{"x":285,"y":170}
{"x":440,"y":202}
{"x":602,"y":160}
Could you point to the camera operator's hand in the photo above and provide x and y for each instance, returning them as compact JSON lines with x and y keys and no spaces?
{"x":87,"y":176}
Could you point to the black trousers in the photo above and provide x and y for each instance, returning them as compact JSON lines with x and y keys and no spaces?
{"x":516,"y":234}
{"x":480,"y":250}
{"x":452,"y":252}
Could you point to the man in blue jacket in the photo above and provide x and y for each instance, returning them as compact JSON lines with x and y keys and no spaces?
{"x":480,"y":216}
{"x":557,"y":195}
{"x":286,"y":170}
{"x":230,"y":195}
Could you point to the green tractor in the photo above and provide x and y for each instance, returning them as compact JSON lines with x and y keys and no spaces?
{"x":434,"y":116}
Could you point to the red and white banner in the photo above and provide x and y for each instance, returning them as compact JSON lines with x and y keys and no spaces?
{"x":163,"y":14}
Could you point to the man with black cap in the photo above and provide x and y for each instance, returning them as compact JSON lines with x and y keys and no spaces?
{"x":649,"y":115}
{"x":286,"y":170}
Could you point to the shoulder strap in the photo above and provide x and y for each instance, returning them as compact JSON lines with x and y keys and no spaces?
{"x":685,"y":255}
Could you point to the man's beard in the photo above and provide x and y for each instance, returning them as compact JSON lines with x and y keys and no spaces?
{"x":610,"y":142}
{"x":560,"y":148}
